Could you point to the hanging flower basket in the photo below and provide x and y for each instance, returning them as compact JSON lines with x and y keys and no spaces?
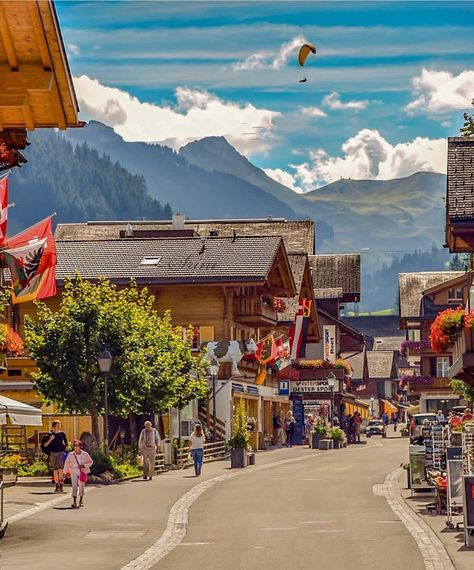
{"x":278,"y":305}
{"x":413,"y":345}
{"x":11,"y":342}
{"x":447,"y":327}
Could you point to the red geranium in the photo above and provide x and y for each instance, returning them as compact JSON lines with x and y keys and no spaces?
{"x":10,"y":341}
{"x":446,"y":327}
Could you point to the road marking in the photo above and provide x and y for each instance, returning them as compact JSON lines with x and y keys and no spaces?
{"x":178,"y":517}
{"x":114,"y":534}
{"x":316,"y":522}
{"x":389,"y":522}
{"x":279,"y":528}
{"x":309,"y":479}
{"x":431,"y":548}
{"x":326,"y":530}
{"x":42,"y":507}
{"x":259,"y":547}
{"x":195,"y":543}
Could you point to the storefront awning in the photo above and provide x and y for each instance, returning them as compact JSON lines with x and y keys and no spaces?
{"x":388,"y":407}
{"x":20,"y":414}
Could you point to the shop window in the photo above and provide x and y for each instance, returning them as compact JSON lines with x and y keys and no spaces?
{"x":455,"y":296}
{"x":13,"y":372}
{"x":442,"y":366}
{"x":196,"y":342}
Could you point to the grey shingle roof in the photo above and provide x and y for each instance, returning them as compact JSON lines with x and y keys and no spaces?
{"x":298,"y":236}
{"x":460,"y":187}
{"x":412,"y":285}
{"x":180,"y":260}
{"x":297,"y":265}
{"x":333,"y":293}
{"x":357,"y":362}
{"x":381,"y":364}
{"x":340,"y":270}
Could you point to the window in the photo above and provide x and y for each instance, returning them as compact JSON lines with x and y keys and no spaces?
{"x":150,"y":261}
{"x":442,"y":366}
{"x":196,"y":342}
{"x":454,"y":296}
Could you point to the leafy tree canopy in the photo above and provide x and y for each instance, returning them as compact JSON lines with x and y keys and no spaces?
{"x":463,"y":389}
{"x":467,"y":130}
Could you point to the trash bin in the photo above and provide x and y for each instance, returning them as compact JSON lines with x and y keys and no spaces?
{"x":167,"y":451}
{"x":251,"y":459}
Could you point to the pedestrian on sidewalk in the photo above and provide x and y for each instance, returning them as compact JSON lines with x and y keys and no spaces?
{"x":197,"y":448}
{"x":395,"y":421}
{"x":77,"y":466}
{"x":440,"y":417}
{"x":308,"y":426}
{"x":55,"y":444}
{"x":148,"y":444}
{"x":357,"y":426}
{"x":278,"y":428}
{"x":289,"y":428}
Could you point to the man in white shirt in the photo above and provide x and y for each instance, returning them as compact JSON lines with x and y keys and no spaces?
{"x":148,"y":443}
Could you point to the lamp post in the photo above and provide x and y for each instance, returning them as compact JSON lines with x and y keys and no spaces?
{"x":214,"y":370}
{"x":331,"y":382}
{"x":105,"y":364}
{"x":372,"y":405}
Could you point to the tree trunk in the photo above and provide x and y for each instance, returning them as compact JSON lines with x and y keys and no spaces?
{"x":132,"y":419}
{"x":95,"y":423}
{"x":161,"y":425}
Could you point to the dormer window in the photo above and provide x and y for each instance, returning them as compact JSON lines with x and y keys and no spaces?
{"x":455,"y":296}
{"x":150,"y":261}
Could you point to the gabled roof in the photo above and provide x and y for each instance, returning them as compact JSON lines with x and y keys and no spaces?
{"x":297,"y":235}
{"x":358,"y":362}
{"x":297,"y":264}
{"x":36,"y":84}
{"x":460,"y":187}
{"x":412,"y":285}
{"x":336,"y":271}
{"x":381,"y":364}
{"x":185,"y":260}
{"x":334,"y":293}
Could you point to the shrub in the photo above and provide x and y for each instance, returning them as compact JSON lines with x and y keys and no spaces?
{"x":36,"y":469}
{"x":240,"y":437}
{"x":102,"y":463}
{"x":12,"y":461}
{"x":337,"y":433}
{"x":321,"y":426}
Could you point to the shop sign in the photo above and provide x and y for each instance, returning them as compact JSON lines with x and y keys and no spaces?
{"x":253,"y":390}
{"x":310,"y":386}
{"x":284,"y":388}
{"x":237,"y":388}
{"x":329,"y":339}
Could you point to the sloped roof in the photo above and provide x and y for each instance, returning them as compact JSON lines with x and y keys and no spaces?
{"x":412,"y":285}
{"x":334,"y":293}
{"x":381,"y":364}
{"x":334,"y":271}
{"x":388,"y":342}
{"x":297,"y":265}
{"x":357,"y":361}
{"x":297,"y":235}
{"x":460,"y":187}
{"x":185,"y":260}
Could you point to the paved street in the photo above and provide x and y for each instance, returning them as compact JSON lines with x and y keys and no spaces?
{"x":319,"y":508}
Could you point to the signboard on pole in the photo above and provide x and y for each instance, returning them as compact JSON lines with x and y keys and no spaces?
{"x":284,"y":388}
{"x":329,"y":342}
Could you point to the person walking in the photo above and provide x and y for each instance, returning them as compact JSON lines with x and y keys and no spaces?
{"x":55,"y":444}
{"x":308,"y":426}
{"x":77,"y":466}
{"x":148,"y":443}
{"x":440,"y":417}
{"x":197,"y":448}
{"x":467,"y":416}
{"x":289,"y":428}
{"x":395,"y":421}
{"x":278,"y":428}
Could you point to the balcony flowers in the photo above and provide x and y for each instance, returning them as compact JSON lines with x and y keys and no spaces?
{"x":447,"y":326}
{"x":340,"y":363}
{"x":413,"y":345}
{"x":405,"y":380}
{"x":10,"y":341}
{"x":278,"y":305}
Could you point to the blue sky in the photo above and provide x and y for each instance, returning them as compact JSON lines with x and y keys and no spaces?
{"x":389,"y":82}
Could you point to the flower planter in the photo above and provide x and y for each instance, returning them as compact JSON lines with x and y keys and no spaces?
{"x":316,"y":438}
{"x":238,"y":458}
{"x":337,"y":443}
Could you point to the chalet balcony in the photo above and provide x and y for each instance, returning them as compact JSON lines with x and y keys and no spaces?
{"x":433,"y":384}
{"x":463,"y":357}
{"x":254,"y":311}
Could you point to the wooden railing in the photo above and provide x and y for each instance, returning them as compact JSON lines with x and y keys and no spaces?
{"x":212,"y":451}
{"x":160,"y":461}
{"x":253,"y":307}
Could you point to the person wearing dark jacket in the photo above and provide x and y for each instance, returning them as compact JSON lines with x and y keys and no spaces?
{"x":289,"y":428}
{"x":55,"y":444}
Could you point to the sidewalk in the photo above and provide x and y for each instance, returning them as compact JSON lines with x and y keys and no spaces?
{"x":453,"y":540}
{"x":119,"y":521}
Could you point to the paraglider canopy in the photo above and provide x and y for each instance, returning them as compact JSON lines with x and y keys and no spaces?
{"x":305,"y":50}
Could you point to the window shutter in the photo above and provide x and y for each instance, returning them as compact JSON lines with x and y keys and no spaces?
{"x":433,"y":370}
{"x":207,"y":334}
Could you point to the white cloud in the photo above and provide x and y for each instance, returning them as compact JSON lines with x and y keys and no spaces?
{"x":73,"y":49}
{"x":367,"y":155}
{"x":333,"y":101}
{"x":314,"y":112}
{"x":197,"y":114}
{"x":284,"y":178}
{"x":441,"y":91}
{"x":266,"y":60}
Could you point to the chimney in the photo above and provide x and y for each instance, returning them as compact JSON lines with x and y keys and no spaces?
{"x":178,"y":221}
{"x":128,"y":231}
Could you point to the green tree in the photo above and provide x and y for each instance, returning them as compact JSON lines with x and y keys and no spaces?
{"x":150,"y":356}
{"x":467,"y":130}
{"x":459,"y":262}
{"x":463,"y":389}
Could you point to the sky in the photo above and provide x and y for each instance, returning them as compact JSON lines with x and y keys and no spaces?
{"x":389,"y":82}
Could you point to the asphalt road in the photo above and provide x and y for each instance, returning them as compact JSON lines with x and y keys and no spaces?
{"x":319,"y":511}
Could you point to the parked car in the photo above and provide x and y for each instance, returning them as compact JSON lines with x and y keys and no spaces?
{"x":376,"y":427}
{"x":417,"y":421}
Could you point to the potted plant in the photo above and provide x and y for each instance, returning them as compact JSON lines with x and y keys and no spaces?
{"x":239,"y":443}
{"x":337,"y":436}
{"x":319,"y":431}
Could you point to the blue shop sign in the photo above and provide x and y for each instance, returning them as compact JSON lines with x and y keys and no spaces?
{"x":237,"y":388}
{"x":284,"y":388}
{"x":253,"y":390}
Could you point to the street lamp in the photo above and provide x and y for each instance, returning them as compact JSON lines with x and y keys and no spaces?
{"x":214,"y":370}
{"x":372,"y":405}
{"x":332,"y":381}
{"x":105,"y":364}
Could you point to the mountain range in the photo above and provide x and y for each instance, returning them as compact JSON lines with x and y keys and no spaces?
{"x":93,"y":173}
